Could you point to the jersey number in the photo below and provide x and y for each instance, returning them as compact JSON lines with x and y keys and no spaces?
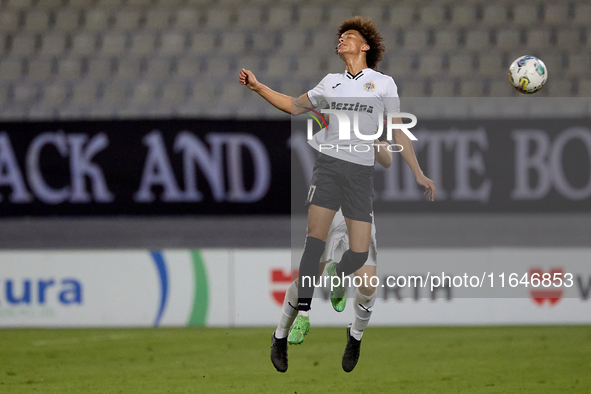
{"x":311,"y":194}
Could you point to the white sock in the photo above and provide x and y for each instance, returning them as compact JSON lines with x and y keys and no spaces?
{"x":288,"y":312}
{"x":363,"y":309}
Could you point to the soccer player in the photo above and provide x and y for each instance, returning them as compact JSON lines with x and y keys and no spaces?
{"x":343,"y":179}
{"x":364,"y":294}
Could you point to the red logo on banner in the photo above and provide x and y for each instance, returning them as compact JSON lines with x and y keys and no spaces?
{"x":280,"y":277}
{"x":553,"y":293}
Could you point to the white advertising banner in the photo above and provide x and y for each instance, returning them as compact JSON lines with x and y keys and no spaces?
{"x":220,"y":287}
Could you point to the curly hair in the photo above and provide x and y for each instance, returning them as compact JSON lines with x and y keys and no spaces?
{"x":370,"y":34}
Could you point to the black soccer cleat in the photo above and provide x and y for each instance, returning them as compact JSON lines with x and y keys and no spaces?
{"x":279,"y":353}
{"x":351,"y":354}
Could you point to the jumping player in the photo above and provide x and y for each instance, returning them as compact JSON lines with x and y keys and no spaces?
{"x":343,"y":179}
{"x":364,"y":294}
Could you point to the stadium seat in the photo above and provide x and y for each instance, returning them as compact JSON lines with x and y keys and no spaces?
{"x":202,"y":43}
{"x":538,"y":39}
{"x":569,"y":39}
{"x":233,"y":93}
{"x":157,"y":19}
{"x":68,"y":68}
{"x":324,"y":41}
{"x":188,"y":67}
{"x":25,"y":93}
{"x":18,"y":4}
{"x":249,"y":17}
{"x":218,"y":66}
{"x":310,"y":16}
{"x":233,"y":42}
{"x":401,"y":16}
{"x":39,"y":69}
{"x":84,"y":93}
{"x":66,"y":20}
{"x":309,"y":67}
{"x":411,"y":89}
{"x":336,"y":16}
{"x":494,"y":15}
{"x":471,"y":88}
{"x":8,"y":21}
{"x":415,"y":39}
{"x":579,"y":64}
{"x":186,"y":19}
{"x":376,"y":12}
{"x":173,"y":43}
{"x":139,"y":3}
{"x":157,"y":68}
{"x":203,"y":93}
{"x":463,"y":15}
{"x":143,"y":92}
{"x":525,"y":14}
{"x":173,"y":93}
{"x":96,"y":20}
{"x":508,"y":39}
{"x":109,"y":4}
{"x":461,"y":65}
{"x":558,"y":87}
{"x":584,"y":88}
{"x":432,"y":15}
{"x":114,"y":44}
{"x":477,"y":40}
{"x":263,"y":42}
{"x":36,"y":21}
{"x":334,"y":64}
{"x":218,"y":17}
{"x":38,"y":112}
{"x":490,"y":63}
{"x":84,"y":43}
{"x":127,"y":20}
{"x":397,"y":66}
{"x":128,"y":68}
{"x":443,"y":88}
{"x":430,"y":64}
{"x":114,"y":93}
{"x":278,"y":66}
{"x":23,"y":45}
{"x":80,"y":4}
{"x":99,"y":68}
{"x":49,"y":4}
{"x":556,"y":14}
{"x":582,"y":14}
{"x":446,"y":39}
{"x":293,"y":41}
{"x":53,"y":44}
{"x":10,"y":69}
{"x":279,"y":17}
{"x":142,"y":44}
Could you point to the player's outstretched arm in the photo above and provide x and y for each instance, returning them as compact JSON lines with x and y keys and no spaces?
{"x":383,"y":155}
{"x":409,"y":156}
{"x":278,"y":100}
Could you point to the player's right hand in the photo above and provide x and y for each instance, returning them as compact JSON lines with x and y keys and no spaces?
{"x":246,"y":77}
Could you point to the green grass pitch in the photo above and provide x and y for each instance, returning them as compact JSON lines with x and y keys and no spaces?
{"x":553,"y":359}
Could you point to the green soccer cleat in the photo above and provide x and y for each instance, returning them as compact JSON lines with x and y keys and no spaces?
{"x":338,"y":295}
{"x":299,"y":330}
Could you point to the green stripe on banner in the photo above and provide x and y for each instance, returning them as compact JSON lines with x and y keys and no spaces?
{"x":200,"y":300}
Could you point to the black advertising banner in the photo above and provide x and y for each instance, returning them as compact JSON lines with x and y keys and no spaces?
{"x":541,"y":165}
{"x":214,"y":167}
{"x":146,"y":167}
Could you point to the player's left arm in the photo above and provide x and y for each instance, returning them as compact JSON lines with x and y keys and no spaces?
{"x":383,"y":155}
{"x":409,"y":156}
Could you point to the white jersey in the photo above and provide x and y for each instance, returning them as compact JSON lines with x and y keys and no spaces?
{"x":366,"y":94}
{"x":338,"y":236}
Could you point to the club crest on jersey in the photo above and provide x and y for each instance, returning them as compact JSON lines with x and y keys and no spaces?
{"x":369,"y":87}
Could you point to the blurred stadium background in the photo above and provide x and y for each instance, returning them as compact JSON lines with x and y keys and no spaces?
{"x":118,"y":210}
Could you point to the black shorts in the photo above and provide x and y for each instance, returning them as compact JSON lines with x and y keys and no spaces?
{"x":341,"y":184}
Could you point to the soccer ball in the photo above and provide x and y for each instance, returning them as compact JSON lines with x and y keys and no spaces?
{"x":528,"y":74}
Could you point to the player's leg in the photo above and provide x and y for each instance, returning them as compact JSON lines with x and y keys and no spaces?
{"x":319,"y":220}
{"x":365,"y":297}
{"x":353,"y":259}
